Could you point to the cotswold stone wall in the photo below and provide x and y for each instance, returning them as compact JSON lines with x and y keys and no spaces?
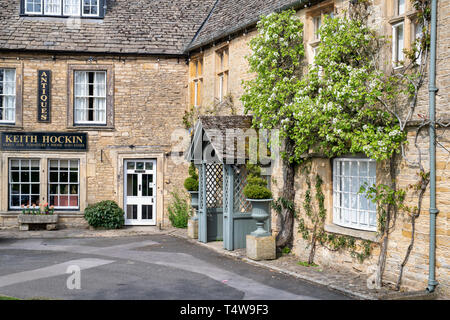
{"x":149,"y":102}
{"x":416,"y":271}
{"x":415,"y":275}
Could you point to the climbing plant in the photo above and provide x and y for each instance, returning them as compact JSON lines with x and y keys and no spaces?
{"x":347,"y":101}
{"x":278,"y":61}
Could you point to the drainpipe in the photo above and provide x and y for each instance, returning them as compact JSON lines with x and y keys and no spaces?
{"x":432,"y":283}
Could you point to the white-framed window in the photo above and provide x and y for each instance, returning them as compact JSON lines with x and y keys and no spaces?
{"x":90,"y":7}
{"x":7,"y":95}
{"x":350,"y":208}
{"x":401,"y":7}
{"x":398,"y":43}
{"x":221,"y":85}
{"x":317,"y":23}
{"x":33,"y":6}
{"x":90,"y":97}
{"x":222,"y":74}
{"x":52,"y":7}
{"x":418,"y":34}
{"x":64,"y":184}
{"x":196,"y":81}
{"x":24,"y":182}
{"x":72,"y":7}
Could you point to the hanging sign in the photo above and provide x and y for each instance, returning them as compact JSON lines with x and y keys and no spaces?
{"x":44,"y":85}
{"x":15,"y":141}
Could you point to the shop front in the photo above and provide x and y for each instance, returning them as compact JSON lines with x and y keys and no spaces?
{"x":43,"y":167}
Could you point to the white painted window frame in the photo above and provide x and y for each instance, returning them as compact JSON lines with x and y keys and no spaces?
{"x":401,"y":7}
{"x":78,"y":14}
{"x":58,"y":13}
{"x":87,"y":96}
{"x":2,"y":95}
{"x":395,"y":51}
{"x":416,"y":35}
{"x":339,"y":191}
{"x":32,"y":12}
{"x":90,"y":15}
{"x":58,"y":194}
{"x":317,"y":23}
{"x":10,"y":182}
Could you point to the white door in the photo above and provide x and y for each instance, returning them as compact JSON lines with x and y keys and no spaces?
{"x":140,"y":192}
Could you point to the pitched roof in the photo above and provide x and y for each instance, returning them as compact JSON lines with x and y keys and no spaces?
{"x":229,"y":16}
{"x":139,"y":26}
{"x":224,"y":134}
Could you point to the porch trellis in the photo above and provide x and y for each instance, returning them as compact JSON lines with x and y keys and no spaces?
{"x":223,"y":213}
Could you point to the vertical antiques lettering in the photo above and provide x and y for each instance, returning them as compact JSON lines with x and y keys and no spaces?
{"x":44,"y":86}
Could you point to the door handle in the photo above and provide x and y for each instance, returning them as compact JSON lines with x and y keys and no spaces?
{"x":140,"y":186}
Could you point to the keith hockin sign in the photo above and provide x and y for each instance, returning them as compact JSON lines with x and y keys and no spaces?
{"x":44,"y":85}
{"x":14,"y":141}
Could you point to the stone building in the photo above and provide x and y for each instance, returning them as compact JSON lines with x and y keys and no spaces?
{"x":218,"y":65}
{"x":91,"y":95}
{"x":111,"y":75}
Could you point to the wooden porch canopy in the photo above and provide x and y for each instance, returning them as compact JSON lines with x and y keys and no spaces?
{"x":218,"y":149}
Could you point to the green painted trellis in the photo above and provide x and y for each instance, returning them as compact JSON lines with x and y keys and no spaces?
{"x":223,"y":213}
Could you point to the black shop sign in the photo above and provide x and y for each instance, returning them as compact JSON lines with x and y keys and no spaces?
{"x":16,"y":141}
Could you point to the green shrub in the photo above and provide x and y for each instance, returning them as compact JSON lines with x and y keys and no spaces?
{"x":253,"y":191}
{"x":191,"y":183}
{"x":256,"y":187}
{"x":178,"y":211}
{"x":105,"y":214}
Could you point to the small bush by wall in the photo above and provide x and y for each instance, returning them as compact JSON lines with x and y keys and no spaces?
{"x":105,"y":214}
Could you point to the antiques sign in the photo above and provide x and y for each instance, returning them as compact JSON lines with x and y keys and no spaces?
{"x":44,"y":84}
{"x":14,"y":141}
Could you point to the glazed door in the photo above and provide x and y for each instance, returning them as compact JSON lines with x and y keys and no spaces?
{"x":140,"y":192}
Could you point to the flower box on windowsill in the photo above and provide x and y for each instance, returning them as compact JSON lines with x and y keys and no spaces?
{"x":49,"y":220}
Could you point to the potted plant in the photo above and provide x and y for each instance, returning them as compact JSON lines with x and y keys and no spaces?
{"x":260,"y":197}
{"x":37,"y":215}
{"x":191,"y":185}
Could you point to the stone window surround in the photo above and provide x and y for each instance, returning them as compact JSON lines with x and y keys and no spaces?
{"x":196,"y":77}
{"x":222,"y":71}
{"x":320,"y":9}
{"x":44,"y":159}
{"x":328,"y":192}
{"x":119,"y":158}
{"x":18,"y":125}
{"x":408,"y":19}
{"x":109,"y":97}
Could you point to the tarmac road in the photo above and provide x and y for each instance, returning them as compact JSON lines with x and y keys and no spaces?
{"x":152,"y":267}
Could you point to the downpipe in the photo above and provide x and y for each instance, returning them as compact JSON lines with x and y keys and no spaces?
{"x":432,"y":283}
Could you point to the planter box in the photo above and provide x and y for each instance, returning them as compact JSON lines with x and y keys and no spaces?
{"x":26,"y":219}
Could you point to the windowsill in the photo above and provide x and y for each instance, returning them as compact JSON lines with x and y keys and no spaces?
{"x":314,"y":43}
{"x":59,"y":213}
{"x":361,"y":234}
{"x":10,"y":126}
{"x":397,"y":19}
{"x":90,"y":128}
{"x":60,"y":16}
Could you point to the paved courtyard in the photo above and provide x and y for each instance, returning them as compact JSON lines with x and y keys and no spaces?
{"x":136,"y":268}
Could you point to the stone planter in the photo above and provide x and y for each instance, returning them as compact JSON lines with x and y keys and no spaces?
{"x":260,"y":212}
{"x":193,"y":221}
{"x":50,"y":221}
{"x":194,"y":199}
{"x":260,"y":244}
